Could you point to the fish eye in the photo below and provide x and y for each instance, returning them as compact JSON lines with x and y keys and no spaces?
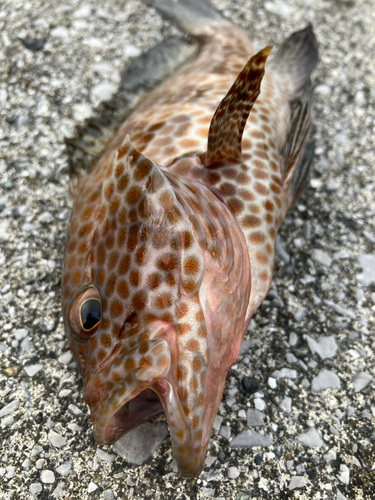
{"x":85,"y":313}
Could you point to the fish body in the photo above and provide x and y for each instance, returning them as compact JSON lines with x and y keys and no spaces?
{"x":171,"y":242}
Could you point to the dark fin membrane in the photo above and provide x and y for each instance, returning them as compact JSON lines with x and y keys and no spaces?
{"x":229,"y":120}
{"x":138,"y":79}
{"x":194,"y":17}
{"x":295,"y":61}
{"x":297,"y":157}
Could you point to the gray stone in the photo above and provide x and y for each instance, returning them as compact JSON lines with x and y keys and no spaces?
{"x":35,"y":488}
{"x":47,"y":476}
{"x":321,"y":257}
{"x":32,"y":370}
{"x":297,"y":482}
{"x":233,"y":472}
{"x":255,"y":417}
{"x":139,"y":444}
{"x":56,"y":439}
{"x":65,"y":469}
{"x":361,"y":380}
{"x":106,"y":457}
{"x":249,"y":439}
{"x":286,"y":404}
{"x":10,"y":408}
{"x":103,"y":91}
{"x":344,"y":476}
{"x":367,"y":262}
{"x":285,"y":373}
{"x":325,"y":347}
{"x":326,"y":379}
{"x":311,"y":438}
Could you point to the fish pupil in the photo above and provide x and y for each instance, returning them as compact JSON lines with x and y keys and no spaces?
{"x":91,"y":313}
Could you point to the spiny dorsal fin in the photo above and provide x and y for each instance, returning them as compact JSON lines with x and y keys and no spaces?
{"x":229,"y":120}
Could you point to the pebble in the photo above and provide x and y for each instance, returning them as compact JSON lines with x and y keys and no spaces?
{"x":286,"y":404}
{"x":233,"y":472}
{"x":361,"y":380}
{"x":321,"y":257}
{"x":311,"y":438}
{"x":344,"y":476}
{"x":83,"y":11}
{"x":226,"y":431}
{"x":75,"y":410}
{"x":293,"y":339}
{"x":340,"y":496}
{"x":279,"y":8}
{"x":139,"y":444}
{"x":272,"y":382}
{"x":285,"y":373}
{"x":65,"y":358}
{"x":20,"y":334}
{"x":325,"y":347}
{"x":103,"y":91}
{"x":251,"y":385}
{"x":56,"y":439}
{"x":259,"y":404}
{"x":301,"y":313}
{"x":326,"y":379}
{"x":341,"y":254}
{"x":10,"y":472}
{"x":40,"y":463}
{"x":297,"y":482}
{"x":65,"y":469}
{"x":367,"y":262}
{"x":340,"y":310}
{"x":35,"y":488}
{"x":47,"y":476}
{"x":249,"y":439}
{"x":207,"y":492}
{"x":255,"y":417}
{"x":131,"y":51}
{"x":91,"y":487}
{"x":330,"y":456}
{"x":106,"y":457}
{"x":32,"y":370}
{"x":10,"y":408}
{"x":323,"y":89}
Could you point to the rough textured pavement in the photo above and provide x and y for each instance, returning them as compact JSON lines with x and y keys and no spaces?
{"x":298,"y":412}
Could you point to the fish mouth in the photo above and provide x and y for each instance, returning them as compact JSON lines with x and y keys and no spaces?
{"x":140,"y":395}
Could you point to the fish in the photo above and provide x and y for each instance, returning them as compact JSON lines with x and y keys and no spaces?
{"x":171,"y":243}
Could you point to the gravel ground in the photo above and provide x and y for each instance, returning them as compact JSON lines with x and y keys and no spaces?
{"x":298,"y":412}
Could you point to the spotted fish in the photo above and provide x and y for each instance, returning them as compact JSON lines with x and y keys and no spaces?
{"x":171,"y":242}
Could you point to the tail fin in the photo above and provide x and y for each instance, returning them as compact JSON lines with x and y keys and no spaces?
{"x":194,"y":17}
{"x":295,"y":61}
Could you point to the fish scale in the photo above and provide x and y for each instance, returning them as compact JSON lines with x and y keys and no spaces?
{"x":171,"y":243}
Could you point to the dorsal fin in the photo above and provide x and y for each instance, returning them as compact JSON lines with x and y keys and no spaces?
{"x":229,"y":120}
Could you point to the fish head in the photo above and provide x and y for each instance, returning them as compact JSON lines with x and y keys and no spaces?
{"x":139,"y":302}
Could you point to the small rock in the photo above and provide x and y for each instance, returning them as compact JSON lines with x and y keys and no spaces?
{"x":32,"y":370}
{"x":259,"y":404}
{"x":326,"y":379}
{"x":341,"y":254}
{"x":91,"y":487}
{"x":361,"y":380}
{"x":83,"y":11}
{"x":103,"y":91}
{"x":340,"y":496}
{"x":311,"y":438}
{"x":286,"y":404}
{"x":47,"y":476}
{"x":20,"y":334}
{"x":106,"y":457}
{"x":207,"y":492}
{"x":65,"y":358}
{"x":75,"y":410}
{"x":35,"y":488}
{"x":322,"y":90}
{"x":344,"y":476}
{"x":251,"y":385}
{"x":249,"y":439}
{"x":233,"y":472}
{"x":340,"y":310}
{"x":321,"y":257}
{"x":40,"y":463}
{"x":297,"y":482}
{"x":45,"y":217}
{"x":225,"y":431}
{"x":330,"y":456}
{"x":272,"y":382}
{"x":255,"y":418}
{"x":139,"y":444}
{"x":65,"y":469}
{"x":367,"y":262}
{"x":10,"y":472}
{"x":10,"y":408}
{"x":131,"y":51}
{"x":56,"y":439}
{"x":285,"y":373}
{"x":325,"y":347}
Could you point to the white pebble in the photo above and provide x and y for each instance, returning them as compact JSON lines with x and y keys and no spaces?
{"x":233,"y":472}
{"x":326,"y":379}
{"x":344,"y":476}
{"x":106,"y":457}
{"x":285,"y":373}
{"x":259,"y":404}
{"x":103,"y":91}
{"x":32,"y":370}
{"x":10,"y":472}
{"x":297,"y":482}
{"x":56,"y":439}
{"x":39,"y":463}
{"x":325,"y":347}
{"x":321,"y":257}
{"x":65,"y":358}
{"x":330,"y":456}
{"x":10,"y":408}
{"x":361,"y":380}
{"x":272,"y":382}
{"x":91,"y":487}
{"x":75,"y":410}
{"x":47,"y":476}
{"x":35,"y":488}
{"x":311,"y":438}
{"x":286,"y":404}
{"x":131,"y":51}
